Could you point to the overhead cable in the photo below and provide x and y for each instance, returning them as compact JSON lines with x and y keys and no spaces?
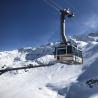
{"x":53,"y":4}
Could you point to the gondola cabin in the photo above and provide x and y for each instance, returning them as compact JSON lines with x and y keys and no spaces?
{"x":69,"y":53}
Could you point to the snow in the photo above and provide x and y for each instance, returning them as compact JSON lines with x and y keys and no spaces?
{"x":41,"y":82}
{"x":56,"y":81}
{"x":94,"y":96}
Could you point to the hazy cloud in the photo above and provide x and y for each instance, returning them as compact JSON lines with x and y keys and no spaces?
{"x":92,"y":21}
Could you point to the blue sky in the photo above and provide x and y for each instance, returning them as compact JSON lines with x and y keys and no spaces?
{"x":30,"y":23}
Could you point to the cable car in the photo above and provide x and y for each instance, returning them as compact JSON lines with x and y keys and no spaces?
{"x":67,"y":52}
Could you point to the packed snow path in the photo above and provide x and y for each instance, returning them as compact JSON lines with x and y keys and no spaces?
{"x":2,"y":71}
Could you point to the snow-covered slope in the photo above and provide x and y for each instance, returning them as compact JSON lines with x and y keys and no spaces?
{"x":88,"y":37}
{"x":56,"y":81}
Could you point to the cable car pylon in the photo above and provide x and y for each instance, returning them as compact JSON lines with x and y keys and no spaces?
{"x":66,"y":51}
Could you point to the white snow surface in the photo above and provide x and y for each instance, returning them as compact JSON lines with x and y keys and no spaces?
{"x":56,"y":81}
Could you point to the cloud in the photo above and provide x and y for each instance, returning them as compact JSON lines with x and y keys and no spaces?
{"x":92,"y":22}
{"x":89,"y":23}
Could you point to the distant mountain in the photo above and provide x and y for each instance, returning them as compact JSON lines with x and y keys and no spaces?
{"x":93,"y":34}
{"x":88,"y":37}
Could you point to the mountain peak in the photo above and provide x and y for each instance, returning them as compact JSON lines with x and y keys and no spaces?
{"x":93,"y":34}
{"x":90,"y":37}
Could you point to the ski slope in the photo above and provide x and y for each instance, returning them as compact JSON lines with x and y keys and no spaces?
{"x":57,"y":81}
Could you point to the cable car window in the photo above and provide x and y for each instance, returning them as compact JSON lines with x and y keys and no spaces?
{"x":69,"y":49}
{"x":80,"y":53}
{"x":75,"y":51}
{"x":61,"y":51}
{"x":55,"y":51}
